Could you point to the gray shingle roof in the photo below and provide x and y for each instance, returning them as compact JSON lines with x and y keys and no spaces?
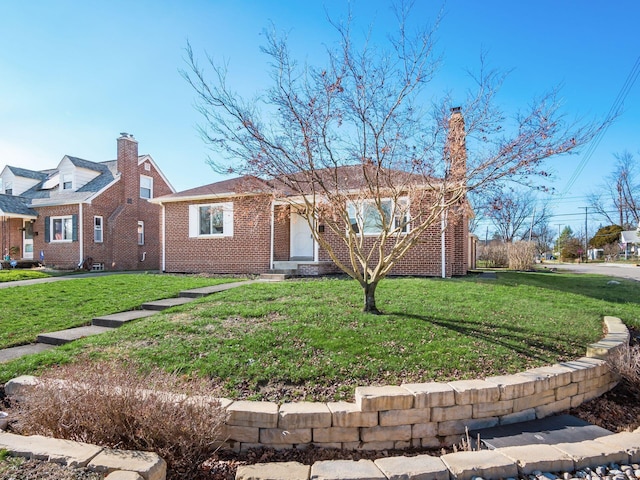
{"x":55,"y":196}
{"x":23,"y":172}
{"x":13,"y":205}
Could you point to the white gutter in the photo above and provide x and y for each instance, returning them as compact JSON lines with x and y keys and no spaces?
{"x":272,"y":234}
{"x":80,"y":234}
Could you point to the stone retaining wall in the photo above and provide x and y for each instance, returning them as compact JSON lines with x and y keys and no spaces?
{"x":427,"y":414}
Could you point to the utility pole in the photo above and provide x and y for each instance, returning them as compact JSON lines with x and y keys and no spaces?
{"x":558,"y":242}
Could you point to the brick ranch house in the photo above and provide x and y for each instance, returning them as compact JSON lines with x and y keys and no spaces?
{"x":238,"y":226}
{"x":83,"y":209}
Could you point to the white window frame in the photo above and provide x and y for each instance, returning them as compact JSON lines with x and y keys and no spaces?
{"x":140,"y":232}
{"x":146,"y":184}
{"x":98,"y":229}
{"x":63,"y":219}
{"x":358,"y":209}
{"x":66,"y":181}
{"x":8,"y":188}
{"x":226,"y":209}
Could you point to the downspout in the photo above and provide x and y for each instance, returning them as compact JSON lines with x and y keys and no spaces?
{"x":163,"y":267}
{"x":80,"y":234}
{"x":443,"y":250}
{"x":273,"y":210}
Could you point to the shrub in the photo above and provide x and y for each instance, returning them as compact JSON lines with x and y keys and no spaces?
{"x":105,"y":405}
{"x":521,"y":255}
{"x":494,"y":254}
{"x":626,"y":363}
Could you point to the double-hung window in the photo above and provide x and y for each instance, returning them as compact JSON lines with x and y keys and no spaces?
{"x":67,"y":181}
{"x":97,"y":229}
{"x":140,"y":233}
{"x":369,"y":218}
{"x":61,"y":229}
{"x":146,"y":187}
{"x":211,"y":220}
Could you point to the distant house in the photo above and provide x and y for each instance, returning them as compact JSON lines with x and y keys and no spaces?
{"x":629,"y":241}
{"x":247,"y":225}
{"x":83,"y":210}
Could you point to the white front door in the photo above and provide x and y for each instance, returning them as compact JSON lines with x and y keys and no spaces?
{"x":301,"y":244}
{"x":27,"y":240}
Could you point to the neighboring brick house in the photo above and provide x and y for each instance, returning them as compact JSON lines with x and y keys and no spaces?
{"x":83,"y":209}
{"x":239,"y":226}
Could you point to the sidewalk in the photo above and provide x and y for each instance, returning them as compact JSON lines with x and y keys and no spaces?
{"x":104,"y":323}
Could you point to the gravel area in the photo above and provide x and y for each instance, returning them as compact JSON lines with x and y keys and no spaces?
{"x":20,"y":469}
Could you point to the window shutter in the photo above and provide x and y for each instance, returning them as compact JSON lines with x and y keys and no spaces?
{"x":47,"y":236}
{"x":227,"y":219}
{"x":74,"y":228}
{"x":193,"y":220}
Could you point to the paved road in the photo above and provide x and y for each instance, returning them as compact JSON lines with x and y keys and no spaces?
{"x":629,"y":271}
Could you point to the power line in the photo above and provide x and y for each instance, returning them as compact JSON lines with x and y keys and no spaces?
{"x":615,"y":108}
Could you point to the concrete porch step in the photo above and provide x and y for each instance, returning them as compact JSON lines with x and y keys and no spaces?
{"x":116,"y":320}
{"x":274,"y":277}
{"x":159,"y":305}
{"x":204,"y":291}
{"x":65,"y":336}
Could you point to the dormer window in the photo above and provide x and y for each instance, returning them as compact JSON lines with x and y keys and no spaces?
{"x":146,"y":187}
{"x":67,"y":181}
{"x":8,"y":188}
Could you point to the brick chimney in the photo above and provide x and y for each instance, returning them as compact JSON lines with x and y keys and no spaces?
{"x":456,"y":149}
{"x":128,"y":166}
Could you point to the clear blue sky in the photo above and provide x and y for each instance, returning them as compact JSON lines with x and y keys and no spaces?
{"x":73,"y":74}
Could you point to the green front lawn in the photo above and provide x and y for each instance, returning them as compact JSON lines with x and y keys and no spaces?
{"x":266,"y":340}
{"x":47,"y":307}
{"x":20,"y":274}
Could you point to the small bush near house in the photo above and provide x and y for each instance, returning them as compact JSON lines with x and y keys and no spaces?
{"x":112,"y":406}
{"x":626,"y":363}
{"x":493,"y":255}
{"x":521,"y":255}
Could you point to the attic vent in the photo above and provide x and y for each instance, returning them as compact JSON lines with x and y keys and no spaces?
{"x":147,"y":167}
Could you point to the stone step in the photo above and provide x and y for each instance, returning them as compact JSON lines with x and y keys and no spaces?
{"x":118,"y":319}
{"x":204,"y":291}
{"x":65,"y":336}
{"x":274,"y":277}
{"x":163,"y":304}
{"x":16,"y":352}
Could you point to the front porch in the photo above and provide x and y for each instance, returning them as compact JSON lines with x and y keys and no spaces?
{"x":303,"y":268}
{"x":294,"y":251}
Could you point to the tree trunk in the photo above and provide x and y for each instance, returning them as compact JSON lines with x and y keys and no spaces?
{"x":370,"y":298}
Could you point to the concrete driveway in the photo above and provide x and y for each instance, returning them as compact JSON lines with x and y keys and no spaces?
{"x":629,"y":271}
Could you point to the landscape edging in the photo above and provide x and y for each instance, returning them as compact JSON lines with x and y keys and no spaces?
{"x":401,"y":410}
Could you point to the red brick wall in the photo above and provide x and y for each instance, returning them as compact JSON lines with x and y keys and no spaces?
{"x":248,"y":251}
{"x":121,"y":208}
{"x":11,"y":236}
{"x":281,"y":233}
{"x":425,"y":258}
{"x":63,"y":255}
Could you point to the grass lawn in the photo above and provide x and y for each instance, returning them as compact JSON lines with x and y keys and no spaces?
{"x":20,"y":274}
{"x":30,"y":310}
{"x":309,"y":338}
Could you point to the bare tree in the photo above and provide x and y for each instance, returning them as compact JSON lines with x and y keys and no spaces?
{"x":352,"y":143}
{"x":618,"y":199}
{"x":515,"y":214}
